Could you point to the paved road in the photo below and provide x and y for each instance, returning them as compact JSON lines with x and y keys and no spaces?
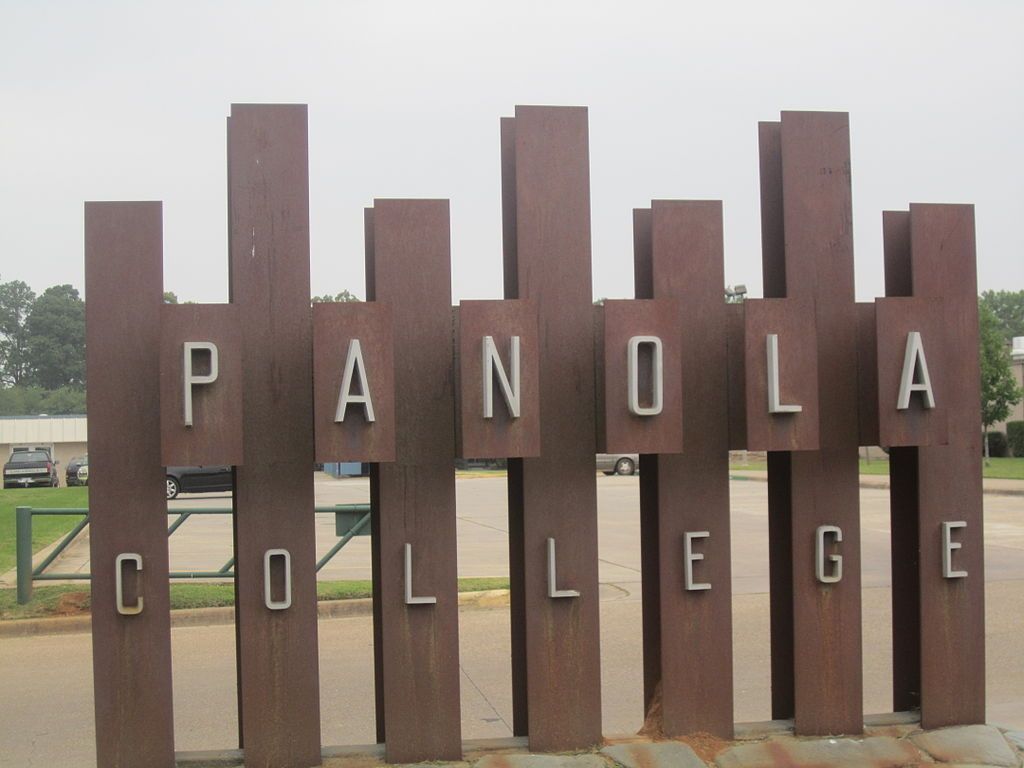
{"x":46,"y":705}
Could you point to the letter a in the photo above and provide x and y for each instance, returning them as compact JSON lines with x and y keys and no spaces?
{"x":354,"y":368}
{"x":914,"y":362}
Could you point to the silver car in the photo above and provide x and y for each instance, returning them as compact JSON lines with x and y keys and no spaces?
{"x":618,"y":463}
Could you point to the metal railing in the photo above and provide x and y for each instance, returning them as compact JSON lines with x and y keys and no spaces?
{"x":350,"y":520}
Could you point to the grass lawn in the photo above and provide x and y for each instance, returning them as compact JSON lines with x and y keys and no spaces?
{"x":1004,"y":469}
{"x":45,"y":529}
{"x":1007,"y":469}
{"x":73,"y":599}
{"x":1011,"y":469}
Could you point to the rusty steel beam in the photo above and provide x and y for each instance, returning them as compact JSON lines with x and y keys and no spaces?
{"x":806,"y":195}
{"x":546,"y":214}
{"x":903,"y":497}
{"x":516,"y":552}
{"x":687,"y":493}
{"x":268,"y":200}
{"x":933,"y":252}
{"x":650,"y":549}
{"x":780,"y":547}
{"x":416,"y":643}
{"x":131,"y":651}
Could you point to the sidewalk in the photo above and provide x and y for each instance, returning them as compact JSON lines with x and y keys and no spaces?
{"x":35,"y":687}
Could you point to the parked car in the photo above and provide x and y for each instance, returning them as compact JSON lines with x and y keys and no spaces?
{"x":198,"y":480}
{"x":30,"y":469}
{"x":618,"y":463}
{"x":71,"y":471}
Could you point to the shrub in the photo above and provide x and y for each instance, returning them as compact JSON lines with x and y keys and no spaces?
{"x":996,"y":445}
{"x":1015,"y":438}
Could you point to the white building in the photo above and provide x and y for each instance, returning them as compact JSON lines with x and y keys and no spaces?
{"x":64,"y":436}
{"x":1017,"y":368}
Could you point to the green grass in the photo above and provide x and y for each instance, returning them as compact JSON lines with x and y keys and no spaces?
{"x":996,"y":469}
{"x":73,"y":599}
{"x":751,"y":465}
{"x":1010,"y":469}
{"x":1006,"y":469}
{"x":45,"y":529}
{"x":874,"y":467}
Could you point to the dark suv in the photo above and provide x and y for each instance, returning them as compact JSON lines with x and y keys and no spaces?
{"x":30,"y":469}
{"x":71,"y":477}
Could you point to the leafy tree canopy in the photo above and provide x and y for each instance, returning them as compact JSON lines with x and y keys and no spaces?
{"x":56,"y":338}
{"x":31,"y":401}
{"x":999,"y":390}
{"x":343,"y":296}
{"x":1008,"y":309}
{"x":16,"y":300}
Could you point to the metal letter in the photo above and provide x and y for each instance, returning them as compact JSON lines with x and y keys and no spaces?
{"x":354,"y":366}
{"x":657,"y":373}
{"x":690,"y":557}
{"x":268,"y":599}
{"x":553,"y":590}
{"x":819,"y":555}
{"x":913,"y":361}
{"x":509,"y":391}
{"x":948,"y":545}
{"x":132,"y":610}
{"x":774,"y":406}
{"x":409,"y":599}
{"x":191,"y":379}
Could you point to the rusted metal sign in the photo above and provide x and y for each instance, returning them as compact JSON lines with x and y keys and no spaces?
{"x":131,"y":627}
{"x":543,"y":378}
{"x":684,"y":497}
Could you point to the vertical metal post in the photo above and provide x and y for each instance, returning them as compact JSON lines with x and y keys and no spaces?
{"x":555,"y":642}
{"x":903,"y":497}
{"x":780,"y":548}
{"x":23,"y":552}
{"x":127,"y":508}
{"x":268,"y":195}
{"x":933,"y":252}
{"x":807,"y":190}
{"x":416,"y":643}
{"x":689,"y":492}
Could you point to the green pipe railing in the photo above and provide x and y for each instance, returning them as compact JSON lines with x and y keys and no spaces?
{"x":350,"y":520}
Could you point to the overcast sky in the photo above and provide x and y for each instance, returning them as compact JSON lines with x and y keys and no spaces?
{"x":125,"y":101}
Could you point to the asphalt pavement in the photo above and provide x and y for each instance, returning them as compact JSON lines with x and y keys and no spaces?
{"x":46,"y":713}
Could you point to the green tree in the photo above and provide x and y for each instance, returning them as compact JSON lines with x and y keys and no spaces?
{"x":16,"y":300}
{"x":56,"y":338}
{"x":170,"y":297}
{"x":1008,"y":309}
{"x":29,"y":401}
{"x":343,"y":296}
{"x":999,"y":390}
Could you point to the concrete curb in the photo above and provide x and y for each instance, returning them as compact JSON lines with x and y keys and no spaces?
{"x":202,"y":617}
{"x":763,"y":746}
